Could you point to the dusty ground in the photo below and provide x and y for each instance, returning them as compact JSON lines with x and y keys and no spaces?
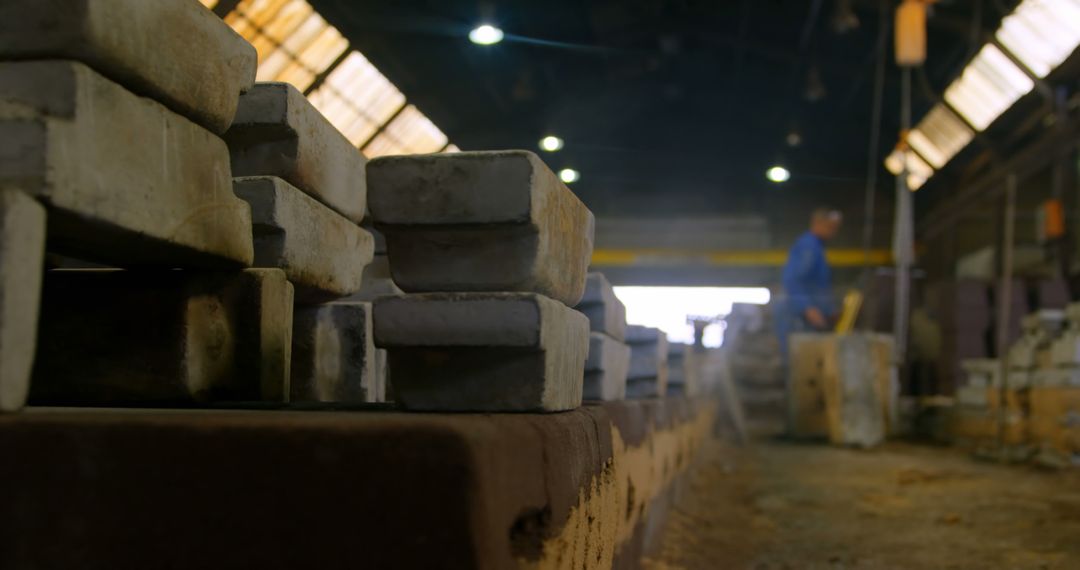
{"x":774,"y":506}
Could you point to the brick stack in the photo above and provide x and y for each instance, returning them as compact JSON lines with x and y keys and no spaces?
{"x":492,"y":251}
{"x":305,"y":183}
{"x":609,"y":357}
{"x":684,"y":369}
{"x":648,"y":377}
{"x":104,"y":135}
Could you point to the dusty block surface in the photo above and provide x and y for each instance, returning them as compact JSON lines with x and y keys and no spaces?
{"x":483,"y":351}
{"x":278,"y":132}
{"x":606,"y":368}
{"x":606,"y":312}
{"x":488,"y":492}
{"x":321,"y":252}
{"x":125,"y":180}
{"x":377,"y":281}
{"x":333,"y":354}
{"x":481,"y":221}
{"x":22,"y":254}
{"x":174,"y":51}
{"x":163,"y":337}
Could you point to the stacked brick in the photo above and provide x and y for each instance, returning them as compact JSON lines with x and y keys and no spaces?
{"x":609,"y":356}
{"x":492,"y":251}
{"x":305,"y":183}
{"x":648,"y":377}
{"x":110,"y":156}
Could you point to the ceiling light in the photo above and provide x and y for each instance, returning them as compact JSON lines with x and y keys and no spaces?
{"x":486,"y":35}
{"x":990,"y":84}
{"x":778,"y":174}
{"x":569,"y":175}
{"x":551,"y":143}
{"x":939,"y":136}
{"x":1041,"y":33}
{"x":918,"y":170}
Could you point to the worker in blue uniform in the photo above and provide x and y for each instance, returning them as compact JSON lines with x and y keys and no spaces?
{"x":808,"y":303}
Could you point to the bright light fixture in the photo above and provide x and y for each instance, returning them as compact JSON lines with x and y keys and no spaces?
{"x":778,"y":174}
{"x":990,"y":84}
{"x":1041,"y":33}
{"x":939,"y":136}
{"x":918,"y":170}
{"x":569,"y":175}
{"x":486,"y":35}
{"x":551,"y":143}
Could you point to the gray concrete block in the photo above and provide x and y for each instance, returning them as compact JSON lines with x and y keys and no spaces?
{"x":278,"y":132}
{"x":637,"y":334}
{"x":22,"y":254}
{"x":640,"y":388}
{"x":481,"y":221}
{"x":333,"y":354}
{"x":606,"y":368}
{"x":492,"y":352}
{"x":125,"y":180}
{"x":174,"y":51}
{"x":321,"y":252}
{"x":605,"y":311}
{"x":382,"y":377}
{"x":110,"y":337}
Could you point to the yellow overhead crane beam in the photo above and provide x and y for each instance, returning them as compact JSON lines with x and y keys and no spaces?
{"x":732,"y":257}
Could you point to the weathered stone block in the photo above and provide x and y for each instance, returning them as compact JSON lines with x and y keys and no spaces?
{"x":481,"y":221}
{"x":685,"y":368}
{"x":125,"y":180}
{"x":648,"y":377}
{"x":333,"y":354}
{"x":22,"y":254}
{"x":377,"y":281}
{"x":163,"y":337}
{"x":174,"y":51}
{"x":321,"y":252}
{"x":278,"y":132}
{"x":606,"y":368}
{"x":606,"y":312}
{"x":483,"y":351}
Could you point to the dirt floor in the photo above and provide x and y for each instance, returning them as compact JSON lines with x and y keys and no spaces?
{"x":775,"y":505}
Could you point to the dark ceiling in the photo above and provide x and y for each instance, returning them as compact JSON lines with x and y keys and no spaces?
{"x":669,"y":106}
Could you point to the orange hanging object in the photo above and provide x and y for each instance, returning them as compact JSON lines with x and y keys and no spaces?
{"x":1051,"y":220}
{"x":911,"y":33}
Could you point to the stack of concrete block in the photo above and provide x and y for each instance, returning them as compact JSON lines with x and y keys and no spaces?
{"x":1065,"y":353}
{"x":648,"y":377}
{"x":684,"y":369}
{"x":757,"y":367}
{"x":305,"y":184}
{"x":100,"y":125}
{"x":609,"y":357}
{"x":492,"y":251}
{"x":1030,"y":355}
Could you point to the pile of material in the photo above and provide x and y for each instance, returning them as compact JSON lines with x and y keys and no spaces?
{"x":753,"y":351}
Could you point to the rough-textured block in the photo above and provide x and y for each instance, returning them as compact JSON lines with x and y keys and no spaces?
{"x":685,"y":365}
{"x":383,"y":392}
{"x":125,"y":180}
{"x":278,"y":132}
{"x":606,"y":312}
{"x":481,"y":221}
{"x":606,"y":368}
{"x":483,"y":351}
{"x":577,"y":490}
{"x":22,"y":254}
{"x":637,"y":334}
{"x":174,"y":51}
{"x":333,"y":354}
{"x":321,"y":252}
{"x":163,"y":337}
{"x":639,"y":388}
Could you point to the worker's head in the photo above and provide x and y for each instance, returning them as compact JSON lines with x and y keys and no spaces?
{"x":825,"y":222}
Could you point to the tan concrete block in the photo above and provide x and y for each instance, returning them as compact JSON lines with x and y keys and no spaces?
{"x":22,"y":254}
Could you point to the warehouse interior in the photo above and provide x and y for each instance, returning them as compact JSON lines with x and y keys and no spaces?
{"x":574,"y":284}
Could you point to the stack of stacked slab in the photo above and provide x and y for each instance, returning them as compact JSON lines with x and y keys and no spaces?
{"x":684,"y":369}
{"x":609,"y":357}
{"x":111,"y":113}
{"x":492,"y":250}
{"x":1031,"y":356}
{"x":648,"y":377}
{"x":305,"y":183}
